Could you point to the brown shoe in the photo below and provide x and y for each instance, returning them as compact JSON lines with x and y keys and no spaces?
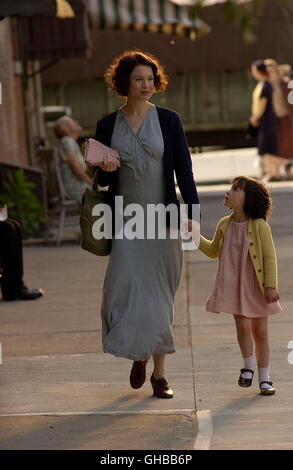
{"x":137,"y":374}
{"x":161,"y":388}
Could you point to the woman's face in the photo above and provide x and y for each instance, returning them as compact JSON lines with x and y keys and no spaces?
{"x":256,"y":73}
{"x":141,"y":83}
{"x":273,"y":74}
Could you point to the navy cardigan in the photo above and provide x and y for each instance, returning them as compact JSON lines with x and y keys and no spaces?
{"x":176,"y":157}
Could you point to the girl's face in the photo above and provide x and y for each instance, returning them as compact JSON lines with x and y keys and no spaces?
{"x":141,"y":83}
{"x":235,"y":198}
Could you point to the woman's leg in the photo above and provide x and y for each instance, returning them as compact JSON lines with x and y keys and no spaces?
{"x":159,"y":366}
{"x":159,"y":382}
{"x":273,"y":165}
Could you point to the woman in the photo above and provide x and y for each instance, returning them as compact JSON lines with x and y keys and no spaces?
{"x":283,"y":110}
{"x":71,"y":162}
{"x":265,"y":118}
{"x":143,"y":274}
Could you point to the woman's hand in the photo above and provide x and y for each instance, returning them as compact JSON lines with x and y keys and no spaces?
{"x":190,"y":229}
{"x":110,"y":165}
{"x":271,"y":295}
{"x":253,"y":121}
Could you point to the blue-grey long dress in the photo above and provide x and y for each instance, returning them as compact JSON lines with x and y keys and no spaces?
{"x":143,"y":274}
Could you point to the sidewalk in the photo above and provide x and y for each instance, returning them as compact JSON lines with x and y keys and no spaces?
{"x":58,"y":390}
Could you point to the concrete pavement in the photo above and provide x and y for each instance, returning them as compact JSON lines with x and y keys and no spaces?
{"x":58,"y":390}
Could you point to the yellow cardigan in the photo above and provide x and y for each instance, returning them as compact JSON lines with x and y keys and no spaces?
{"x":261,"y":249}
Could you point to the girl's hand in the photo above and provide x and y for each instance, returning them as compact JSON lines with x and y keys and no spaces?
{"x":271,"y":294}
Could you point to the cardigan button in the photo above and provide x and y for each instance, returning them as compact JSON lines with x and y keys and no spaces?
{"x":251,"y":243}
{"x":254,"y":256}
{"x":259,"y":270}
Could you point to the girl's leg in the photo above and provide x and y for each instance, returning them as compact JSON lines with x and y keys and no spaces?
{"x":261,"y":339}
{"x":244,"y":337}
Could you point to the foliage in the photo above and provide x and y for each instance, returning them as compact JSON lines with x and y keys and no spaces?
{"x":21,"y":202}
{"x":242,"y":13}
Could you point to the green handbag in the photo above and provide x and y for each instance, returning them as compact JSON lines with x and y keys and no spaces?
{"x":91,"y":197}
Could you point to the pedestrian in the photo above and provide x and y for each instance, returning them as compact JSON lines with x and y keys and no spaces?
{"x":246,"y":281}
{"x":278,"y":77}
{"x":143,"y":274}
{"x":11,"y":263}
{"x":263,"y":117}
{"x":73,"y":169}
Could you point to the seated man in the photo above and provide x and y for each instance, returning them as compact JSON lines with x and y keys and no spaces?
{"x":71,"y":162}
{"x":11,"y":261}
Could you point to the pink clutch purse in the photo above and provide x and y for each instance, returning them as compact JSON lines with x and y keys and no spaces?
{"x":97,"y":153}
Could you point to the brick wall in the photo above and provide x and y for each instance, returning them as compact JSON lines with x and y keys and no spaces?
{"x":13,"y":144}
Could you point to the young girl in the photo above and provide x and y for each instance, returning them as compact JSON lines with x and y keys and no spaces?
{"x":246,"y":282}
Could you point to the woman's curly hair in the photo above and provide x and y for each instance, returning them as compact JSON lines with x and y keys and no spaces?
{"x":117,"y":75}
{"x":258,"y":201}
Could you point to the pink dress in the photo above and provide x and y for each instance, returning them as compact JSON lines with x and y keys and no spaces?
{"x":236,"y":289}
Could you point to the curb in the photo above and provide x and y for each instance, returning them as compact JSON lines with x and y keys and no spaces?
{"x":205,"y":430}
{"x":216,"y":190}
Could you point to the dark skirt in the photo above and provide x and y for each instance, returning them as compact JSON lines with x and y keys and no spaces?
{"x":267,"y":141}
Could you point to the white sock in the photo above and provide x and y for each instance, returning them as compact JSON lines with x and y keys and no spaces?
{"x":249,"y":363}
{"x":263,"y":375}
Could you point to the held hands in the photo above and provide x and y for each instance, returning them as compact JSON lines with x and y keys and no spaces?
{"x":190,"y":229}
{"x":271,"y":295}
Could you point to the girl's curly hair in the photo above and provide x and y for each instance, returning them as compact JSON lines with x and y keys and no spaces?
{"x":117,"y":75}
{"x":258,"y":201}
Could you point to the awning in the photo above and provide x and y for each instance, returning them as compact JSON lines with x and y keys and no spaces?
{"x":48,"y":34}
{"x":58,"y":8}
{"x":48,"y":31}
{"x":156,"y":16}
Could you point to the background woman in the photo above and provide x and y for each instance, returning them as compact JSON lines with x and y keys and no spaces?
{"x":284,"y":111}
{"x":266,"y":119}
{"x":143,"y":274}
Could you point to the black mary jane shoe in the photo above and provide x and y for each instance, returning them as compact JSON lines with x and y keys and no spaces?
{"x":265,"y":390}
{"x":242,"y":381}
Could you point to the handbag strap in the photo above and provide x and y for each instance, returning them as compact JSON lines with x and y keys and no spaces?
{"x":95,"y":182}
